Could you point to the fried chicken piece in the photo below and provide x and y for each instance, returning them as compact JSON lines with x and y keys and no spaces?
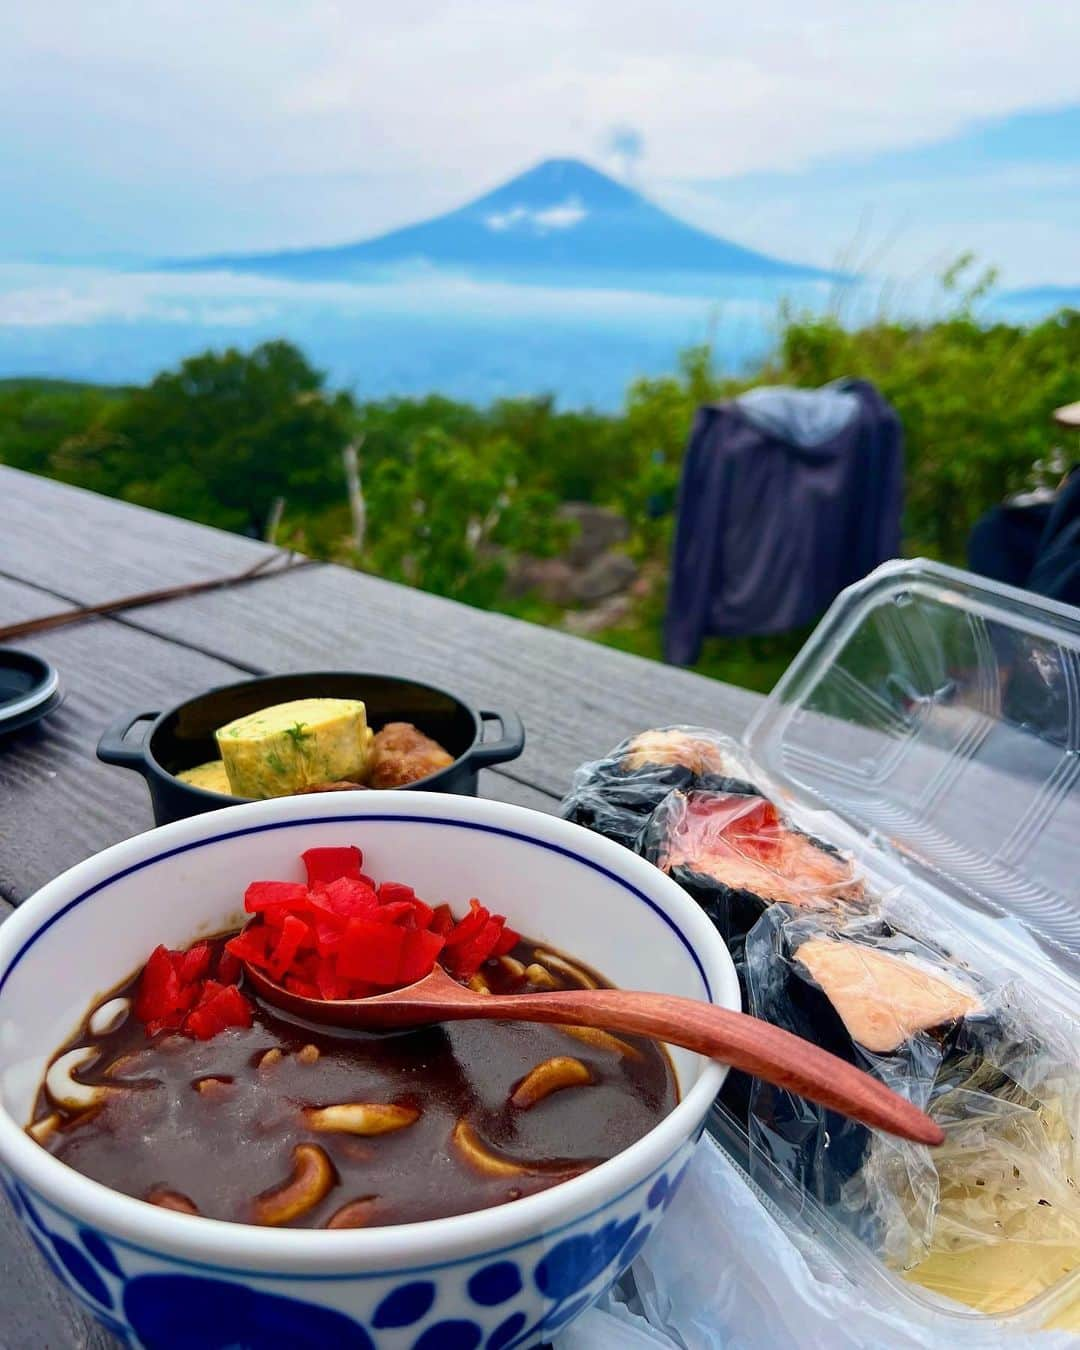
{"x":343,"y":786}
{"x":401,"y":754}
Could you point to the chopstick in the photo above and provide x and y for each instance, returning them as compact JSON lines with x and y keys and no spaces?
{"x":287,"y":561}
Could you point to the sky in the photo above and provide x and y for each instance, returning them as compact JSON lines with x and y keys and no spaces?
{"x":881,"y":134}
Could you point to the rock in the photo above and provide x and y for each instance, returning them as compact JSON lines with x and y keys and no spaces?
{"x":652,"y":579}
{"x":607,"y":575}
{"x":597,"y":529}
{"x":551,"y":579}
{"x":585,"y":622}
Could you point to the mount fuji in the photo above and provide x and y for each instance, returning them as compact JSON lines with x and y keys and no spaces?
{"x":560,"y":223}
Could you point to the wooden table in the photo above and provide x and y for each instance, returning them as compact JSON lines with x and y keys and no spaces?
{"x":61,"y":547}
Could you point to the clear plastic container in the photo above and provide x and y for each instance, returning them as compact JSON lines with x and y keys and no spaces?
{"x":931,"y":725}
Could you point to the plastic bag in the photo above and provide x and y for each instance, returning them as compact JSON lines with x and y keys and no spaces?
{"x":1002,"y":1220}
{"x":721,"y":1274}
{"x":963,"y":1047}
{"x":616,"y":795}
{"x":862,"y":993}
{"x":992,"y":1218}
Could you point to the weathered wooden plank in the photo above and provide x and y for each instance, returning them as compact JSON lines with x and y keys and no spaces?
{"x":330,"y":616}
{"x":501,"y":788}
{"x":58,"y":803}
{"x":577,"y":698}
{"x":19,"y":601}
{"x":92,"y":548}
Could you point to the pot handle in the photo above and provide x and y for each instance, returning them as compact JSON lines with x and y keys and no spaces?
{"x":113,"y":748}
{"x":509,"y":745}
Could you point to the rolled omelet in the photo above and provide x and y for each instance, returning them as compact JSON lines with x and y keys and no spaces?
{"x":210,"y":777}
{"x":291,"y":746}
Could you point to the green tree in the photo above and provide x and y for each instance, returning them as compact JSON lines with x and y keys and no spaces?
{"x":658,"y":418}
{"x":454,"y":490}
{"x":37,"y":416}
{"x":443,"y":515}
{"x":220,"y":438}
{"x":974,"y":400}
{"x":578,"y":456}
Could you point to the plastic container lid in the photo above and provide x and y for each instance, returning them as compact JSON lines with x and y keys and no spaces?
{"x":935,"y":716}
{"x":938,"y":714}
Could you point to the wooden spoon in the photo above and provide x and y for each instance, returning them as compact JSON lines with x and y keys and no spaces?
{"x":746,"y":1043}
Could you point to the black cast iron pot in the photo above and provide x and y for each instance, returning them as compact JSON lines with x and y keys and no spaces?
{"x":183,"y":736}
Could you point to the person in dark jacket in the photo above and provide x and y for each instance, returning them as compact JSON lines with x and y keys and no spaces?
{"x":1034,"y":544}
{"x":787,"y":496}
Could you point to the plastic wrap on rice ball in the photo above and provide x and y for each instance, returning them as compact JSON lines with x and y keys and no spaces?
{"x":997,"y":1220}
{"x":614,"y":796}
{"x":737,"y":856}
{"x":879,"y":1000}
{"x":992,"y":1217}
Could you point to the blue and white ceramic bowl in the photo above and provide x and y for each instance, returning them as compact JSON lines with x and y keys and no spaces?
{"x":506,"y":1277}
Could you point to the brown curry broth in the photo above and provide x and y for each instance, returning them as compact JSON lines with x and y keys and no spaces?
{"x":224,"y":1148}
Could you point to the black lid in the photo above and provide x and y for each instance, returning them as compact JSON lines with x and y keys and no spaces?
{"x":29,"y":689}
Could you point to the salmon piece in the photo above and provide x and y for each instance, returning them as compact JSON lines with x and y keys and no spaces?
{"x":882,"y":998}
{"x":743,"y":843}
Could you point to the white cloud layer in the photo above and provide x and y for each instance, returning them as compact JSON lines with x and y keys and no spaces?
{"x":183,"y":125}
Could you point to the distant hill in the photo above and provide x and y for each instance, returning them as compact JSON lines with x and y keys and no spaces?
{"x":560,"y":220}
{"x":42,"y":384}
{"x":1048,"y":297}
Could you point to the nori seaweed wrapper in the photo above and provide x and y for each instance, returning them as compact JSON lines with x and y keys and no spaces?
{"x":816,"y":1148}
{"x":847,"y":1009}
{"x":615,"y":796}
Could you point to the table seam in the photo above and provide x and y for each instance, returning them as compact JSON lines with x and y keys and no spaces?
{"x":137,"y":627}
{"x":499,"y":770}
{"x":504,"y":772}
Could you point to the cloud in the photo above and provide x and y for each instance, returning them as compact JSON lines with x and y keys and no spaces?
{"x":140,"y":127}
{"x":44,"y":297}
{"x":1009,"y":189}
{"x":626,"y":146}
{"x":562,"y":216}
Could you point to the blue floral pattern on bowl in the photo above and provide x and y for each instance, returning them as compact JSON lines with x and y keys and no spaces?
{"x":509,"y":1300}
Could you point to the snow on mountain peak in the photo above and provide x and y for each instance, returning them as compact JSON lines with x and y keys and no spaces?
{"x":538,"y":220}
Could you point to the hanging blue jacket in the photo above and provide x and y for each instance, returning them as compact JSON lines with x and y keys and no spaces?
{"x":787,"y":496}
